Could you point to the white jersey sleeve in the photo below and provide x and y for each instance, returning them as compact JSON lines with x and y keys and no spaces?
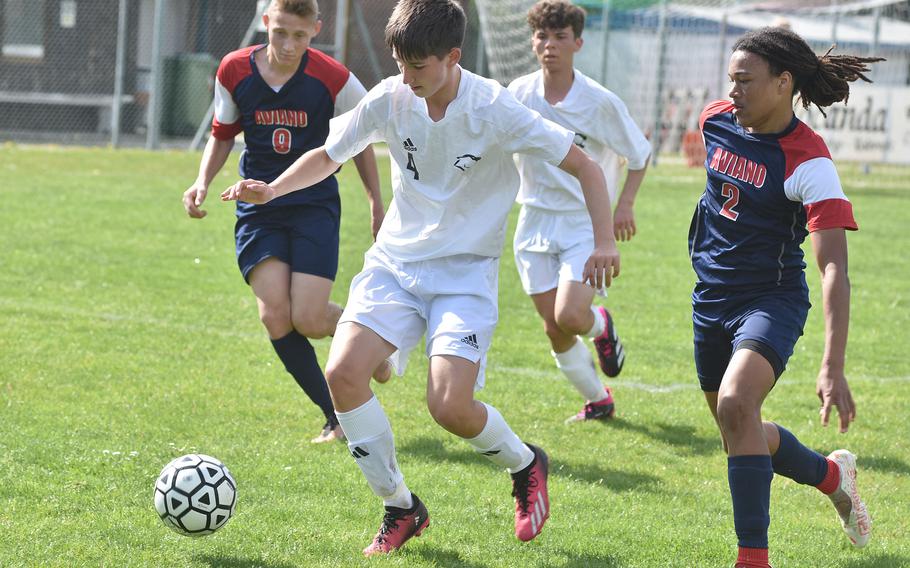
{"x":226,"y":110}
{"x":351,"y":132}
{"x":614,"y":125}
{"x":525,"y":132}
{"x":816,"y":185}
{"x":349,"y":95}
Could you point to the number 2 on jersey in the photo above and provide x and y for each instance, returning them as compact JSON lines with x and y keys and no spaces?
{"x":731,"y":192}
{"x":412,"y":166}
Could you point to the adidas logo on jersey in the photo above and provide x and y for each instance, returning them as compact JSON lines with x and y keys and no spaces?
{"x":465,"y":161}
{"x":470,"y":340}
{"x":409,"y":146}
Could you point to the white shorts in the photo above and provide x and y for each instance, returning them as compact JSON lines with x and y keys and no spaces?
{"x":551,"y":247}
{"x":452,"y":300}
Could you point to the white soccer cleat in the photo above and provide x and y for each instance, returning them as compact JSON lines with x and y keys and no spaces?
{"x":850,"y":508}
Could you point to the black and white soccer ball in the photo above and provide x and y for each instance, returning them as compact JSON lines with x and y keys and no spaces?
{"x":195,"y":495}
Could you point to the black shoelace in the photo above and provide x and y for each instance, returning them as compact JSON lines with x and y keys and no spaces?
{"x":522,"y":484}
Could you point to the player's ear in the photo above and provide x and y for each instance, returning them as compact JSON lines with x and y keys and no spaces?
{"x":785,"y":81}
{"x":318,"y":28}
{"x":265,"y":19}
{"x":454,"y":56}
{"x":579,"y":41}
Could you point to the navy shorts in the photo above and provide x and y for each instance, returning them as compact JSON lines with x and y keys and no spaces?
{"x":302,"y":236}
{"x":769,"y":323}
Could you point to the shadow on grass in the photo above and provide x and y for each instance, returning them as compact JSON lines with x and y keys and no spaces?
{"x":235,"y":562}
{"x":451,"y":558}
{"x":878,"y":561}
{"x":433,"y":449}
{"x":883,"y":464}
{"x":680,"y":436}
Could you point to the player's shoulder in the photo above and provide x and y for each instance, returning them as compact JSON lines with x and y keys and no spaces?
{"x":714,"y":109}
{"x":802,"y":144}
{"x":326,"y":67}
{"x":526,"y":84}
{"x":235,"y":66}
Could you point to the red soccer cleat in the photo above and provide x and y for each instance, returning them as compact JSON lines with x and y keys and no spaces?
{"x":600,"y":410}
{"x":532,"y":504}
{"x":399,"y":525}
{"x":609,"y":349}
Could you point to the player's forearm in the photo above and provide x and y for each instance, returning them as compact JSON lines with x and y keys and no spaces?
{"x":214,"y":156}
{"x":369,"y":175}
{"x":597,"y":200}
{"x":310,"y":168}
{"x":836,"y":305}
{"x":631,"y":186}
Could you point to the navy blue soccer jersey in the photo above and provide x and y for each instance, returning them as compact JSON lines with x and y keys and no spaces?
{"x":279,"y":126}
{"x":764,"y":194}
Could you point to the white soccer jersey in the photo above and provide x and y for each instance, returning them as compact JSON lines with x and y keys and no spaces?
{"x":453,"y":181}
{"x":603,"y":128}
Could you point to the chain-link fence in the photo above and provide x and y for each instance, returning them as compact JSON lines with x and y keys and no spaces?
{"x":667,"y":58}
{"x":141,"y":72}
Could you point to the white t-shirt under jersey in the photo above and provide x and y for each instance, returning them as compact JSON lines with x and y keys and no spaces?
{"x":453,"y":181}
{"x":603,"y":128}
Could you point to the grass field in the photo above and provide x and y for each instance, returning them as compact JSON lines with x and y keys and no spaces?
{"x":128,"y":337}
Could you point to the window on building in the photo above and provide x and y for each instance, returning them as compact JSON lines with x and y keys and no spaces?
{"x":23,"y":28}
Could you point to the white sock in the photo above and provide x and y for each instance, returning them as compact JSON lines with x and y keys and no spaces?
{"x":578,"y":366}
{"x":373,"y":448}
{"x":500,"y":444}
{"x":599,"y":323}
{"x":401,"y":498}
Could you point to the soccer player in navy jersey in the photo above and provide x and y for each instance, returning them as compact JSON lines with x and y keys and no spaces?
{"x":281,"y":95}
{"x":771,"y":182}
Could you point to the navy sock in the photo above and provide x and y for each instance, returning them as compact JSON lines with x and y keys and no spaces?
{"x":798,"y":462}
{"x":299,"y":359}
{"x":750,"y":486}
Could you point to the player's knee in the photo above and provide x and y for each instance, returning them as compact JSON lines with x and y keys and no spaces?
{"x":446,"y":412}
{"x":734,"y":413}
{"x":276,"y":321}
{"x":342,"y":377}
{"x":574,"y":321}
{"x":553,"y":331}
{"x":309,"y":323}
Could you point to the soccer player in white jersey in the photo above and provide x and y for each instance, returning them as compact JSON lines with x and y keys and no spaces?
{"x":554,"y":235}
{"x":434,"y":267}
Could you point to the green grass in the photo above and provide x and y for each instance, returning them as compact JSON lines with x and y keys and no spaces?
{"x":128,"y":337}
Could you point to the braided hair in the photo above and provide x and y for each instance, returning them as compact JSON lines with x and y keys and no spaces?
{"x":821,"y":81}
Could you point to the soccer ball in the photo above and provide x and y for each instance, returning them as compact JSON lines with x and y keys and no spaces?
{"x":195,"y":495}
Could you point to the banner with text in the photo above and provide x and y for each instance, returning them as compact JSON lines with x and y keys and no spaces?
{"x":873,"y":127}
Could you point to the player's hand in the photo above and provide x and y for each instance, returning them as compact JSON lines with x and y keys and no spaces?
{"x":193,"y":199}
{"x":833,"y":391}
{"x":624,"y":222}
{"x":249,"y":190}
{"x":377,"y":215}
{"x":602,"y":266}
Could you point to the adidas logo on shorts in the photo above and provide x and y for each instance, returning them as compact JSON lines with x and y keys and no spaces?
{"x":470,"y":340}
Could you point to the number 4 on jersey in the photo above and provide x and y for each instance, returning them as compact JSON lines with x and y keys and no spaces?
{"x":412,"y":166}
{"x":731,"y":192}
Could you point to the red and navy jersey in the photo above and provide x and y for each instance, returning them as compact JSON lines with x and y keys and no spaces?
{"x":764,"y":194}
{"x":278,"y":127}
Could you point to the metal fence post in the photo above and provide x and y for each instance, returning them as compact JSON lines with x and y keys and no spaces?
{"x":120,"y":61}
{"x":659,"y":87}
{"x":341,"y":31}
{"x":153,"y":117}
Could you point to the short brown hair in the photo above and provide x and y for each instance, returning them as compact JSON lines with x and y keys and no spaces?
{"x":418,"y":29}
{"x":556,"y":15}
{"x":302,"y":8}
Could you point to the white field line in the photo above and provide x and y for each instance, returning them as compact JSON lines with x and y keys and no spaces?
{"x":637,"y":383}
